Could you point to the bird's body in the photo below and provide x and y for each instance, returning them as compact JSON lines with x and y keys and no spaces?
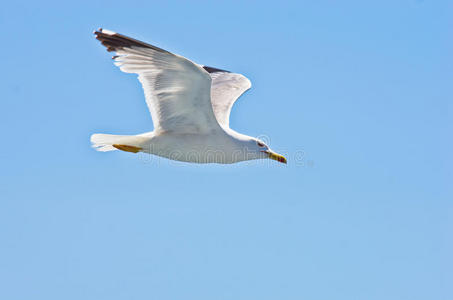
{"x":189,"y":103}
{"x":224,"y":147}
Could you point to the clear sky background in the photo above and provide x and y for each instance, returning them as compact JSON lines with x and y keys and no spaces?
{"x":357,"y":94}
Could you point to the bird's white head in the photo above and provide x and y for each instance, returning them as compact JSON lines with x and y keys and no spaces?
{"x":257,"y":149}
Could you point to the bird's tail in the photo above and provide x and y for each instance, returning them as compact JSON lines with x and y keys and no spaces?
{"x":110,"y":142}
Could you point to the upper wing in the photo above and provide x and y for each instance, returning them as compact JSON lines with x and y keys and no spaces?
{"x":177,"y":91}
{"x":226,"y":88}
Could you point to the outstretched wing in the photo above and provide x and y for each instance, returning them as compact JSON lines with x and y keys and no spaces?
{"x":226,"y":88}
{"x":177,"y":91}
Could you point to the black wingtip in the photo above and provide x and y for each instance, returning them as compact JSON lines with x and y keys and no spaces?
{"x":114,"y":41}
{"x":214,"y":70}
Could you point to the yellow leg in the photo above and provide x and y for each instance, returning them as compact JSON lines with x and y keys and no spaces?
{"x":127,"y":148}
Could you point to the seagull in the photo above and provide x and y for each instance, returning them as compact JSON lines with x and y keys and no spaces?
{"x":190,"y":105}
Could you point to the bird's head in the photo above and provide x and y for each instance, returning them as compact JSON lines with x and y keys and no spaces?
{"x":263,"y":150}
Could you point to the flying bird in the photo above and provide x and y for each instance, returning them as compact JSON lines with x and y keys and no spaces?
{"x":190,"y":105}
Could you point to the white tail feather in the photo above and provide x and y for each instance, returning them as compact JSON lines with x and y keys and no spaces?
{"x":104,"y":142}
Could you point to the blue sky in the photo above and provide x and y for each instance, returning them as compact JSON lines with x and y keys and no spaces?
{"x":358,"y":94}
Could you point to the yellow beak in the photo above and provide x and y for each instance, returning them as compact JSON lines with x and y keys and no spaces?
{"x":277,"y":157}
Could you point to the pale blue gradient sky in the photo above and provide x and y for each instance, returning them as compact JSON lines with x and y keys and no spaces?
{"x":363,"y":88}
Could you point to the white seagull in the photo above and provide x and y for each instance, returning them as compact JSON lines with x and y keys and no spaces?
{"x":190,"y":105}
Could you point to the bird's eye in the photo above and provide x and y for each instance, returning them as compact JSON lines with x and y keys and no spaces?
{"x":261,"y":144}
